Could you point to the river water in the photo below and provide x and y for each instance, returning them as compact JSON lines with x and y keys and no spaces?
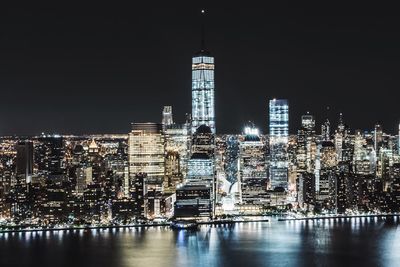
{"x":333,"y":242}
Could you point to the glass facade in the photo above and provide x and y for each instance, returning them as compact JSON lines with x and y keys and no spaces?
{"x":200,"y":169}
{"x":167,"y":118}
{"x":203,"y":92}
{"x":253,"y":171}
{"x":177,"y":140}
{"x":146,"y":149}
{"x":278,"y":142}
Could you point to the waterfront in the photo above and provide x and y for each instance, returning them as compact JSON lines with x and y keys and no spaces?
{"x":330,"y":242}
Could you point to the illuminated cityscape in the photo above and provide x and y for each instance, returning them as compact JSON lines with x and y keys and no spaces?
{"x":164,"y":171}
{"x":176,"y":189}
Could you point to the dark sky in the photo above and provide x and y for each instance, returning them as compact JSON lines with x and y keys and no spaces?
{"x":93,"y":69}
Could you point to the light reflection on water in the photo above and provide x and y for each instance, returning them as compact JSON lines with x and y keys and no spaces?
{"x":332,"y":242}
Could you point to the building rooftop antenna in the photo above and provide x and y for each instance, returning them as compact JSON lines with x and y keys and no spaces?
{"x":203,"y":31}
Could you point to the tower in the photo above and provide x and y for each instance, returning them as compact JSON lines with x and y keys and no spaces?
{"x":306,"y":145}
{"x":203,"y":87}
{"x":278,"y":142}
{"x":146,"y":150}
{"x":252,"y":165}
{"x":378,"y":133}
{"x":24,"y":160}
{"x":326,"y":127}
{"x":167,"y":118}
{"x":49,"y":155}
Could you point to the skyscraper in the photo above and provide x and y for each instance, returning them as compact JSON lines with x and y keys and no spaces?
{"x":378,"y":133}
{"x":177,"y":140}
{"x":25,"y":160}
{"x":202,"y":162}
{"x":306,"y":145}
{"x":326,"y":130}
{"x":167,"y":118}
{"x":278,"y":142}
{"x":146,"y":150}
{"x":49,"y":154}
{"x":253,"y":171}
{"x":198,"y":192}
{"x":203,"y":88}
{"x":325,"y":171}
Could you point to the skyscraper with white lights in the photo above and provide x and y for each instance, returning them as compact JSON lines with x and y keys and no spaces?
{"x":146,"y":150}
{"x":203,"y":89}
{"x":278,"y":142}
{"x":252,"y":166}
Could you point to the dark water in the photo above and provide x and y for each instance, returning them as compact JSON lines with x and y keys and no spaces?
{"x":345,"y":242}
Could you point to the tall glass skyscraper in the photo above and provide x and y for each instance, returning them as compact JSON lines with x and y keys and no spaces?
{"x":146,"y":150}
{"x":278,"y":142}
{"x":203,"y":91}
{"x":252,"y":166}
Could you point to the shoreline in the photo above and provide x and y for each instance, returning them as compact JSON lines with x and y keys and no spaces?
{"x":79,"y":228}
{"x":340,"y":217}
{"x":5,"y":229}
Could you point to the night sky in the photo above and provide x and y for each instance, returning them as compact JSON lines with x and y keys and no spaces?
{"x":95,"y":69}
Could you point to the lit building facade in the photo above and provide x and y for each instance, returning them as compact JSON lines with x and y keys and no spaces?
{"x":278,"y":142}
{"x":398,"y":141}
{"x":201,"y":165}
{"x":253,"y":171}
{"x":325,"y":172}
{"x":203,"y":91}
{"x":49,"y":155}
{"x":177,"y":140}
{"x":378,"y":137}
{"x":197,"y":196}
{"x":167,"y":118}
{"x":306,"y":144}
{"x":146,"y":150}
{"x":24,"y":160}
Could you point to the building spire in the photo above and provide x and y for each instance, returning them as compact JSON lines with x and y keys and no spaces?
{"x":203,"y":31}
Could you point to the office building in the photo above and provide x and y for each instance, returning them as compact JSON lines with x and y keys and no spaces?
{"x":278,"y":142}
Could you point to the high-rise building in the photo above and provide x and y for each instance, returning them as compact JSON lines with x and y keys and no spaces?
{"x":201,"y":164}
{"x":398,"y":141}
{"x":343,"y":143}
{"x":83,"y":178}
{"x":193,"y":202}
{"x":49,"y":154}
{"x":342,"y":189}
{"x":197,"y":196}
{"x":203,"y":141}
{"x":203,"y":88}
{"x":306,"y":144}
{"x":24,"y":160}
{"x":364,"y":155}
{"x":137,"y":190}
{"x":253,"y":170}
{"x":173,"y":175}
{"x":146,"y":150}
{"x":167,"y":118}
{"x":231,"y":158}
{"x":278,"y":142}
{"x":306,"y":188}
{"x":378,"y":137}
{"x":177,"y":141}
{"x":326,"y":130}
{"x":325,"y":172}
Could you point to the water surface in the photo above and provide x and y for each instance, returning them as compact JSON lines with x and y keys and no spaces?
{"x":340,"y":242}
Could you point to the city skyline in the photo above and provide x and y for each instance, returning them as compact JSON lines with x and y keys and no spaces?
{"x":199,"y":134}
{"x":96,"y":90}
